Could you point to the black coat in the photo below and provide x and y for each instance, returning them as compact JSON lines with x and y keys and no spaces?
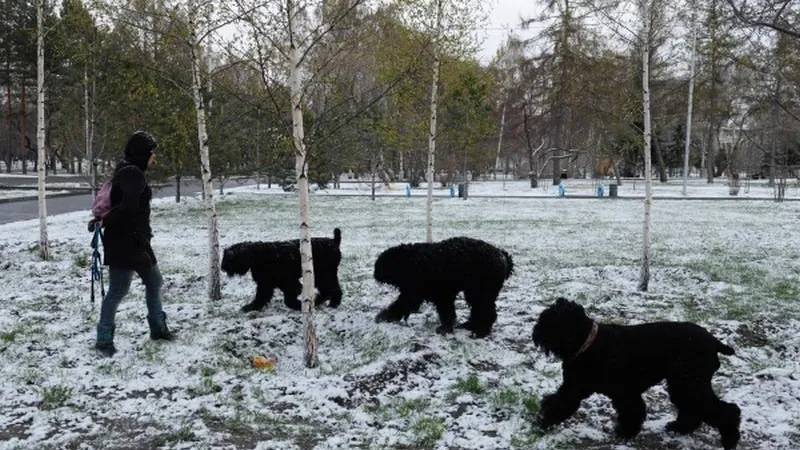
{"x":127,"y":232}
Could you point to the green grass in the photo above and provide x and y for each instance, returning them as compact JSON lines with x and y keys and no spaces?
{"x":206,"y":386}
{"x":54,"y":397}
{"x":9,"y":336}
{"x":409,"y":407}
{"x":532,"y":404}
{"x":506,"y":398}
{"x":427,"y":430}
{"x":472,"y":384}
{"x":81,"y":261}
{"x":182,"y":434}
{"x":784,"y":290}
{"x":31,"y":376}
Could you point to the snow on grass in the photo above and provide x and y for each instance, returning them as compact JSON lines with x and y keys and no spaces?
{"x":730,"y":266}
{"x":696,"y":188}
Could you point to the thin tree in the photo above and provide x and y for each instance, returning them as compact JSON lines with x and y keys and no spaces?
{"x":688,"y":140}
{"x":429,"y":173}
{"x":292,"y":36}
{"x":44,"y":246}
{"x":214,"y":287}
{"x":644,"y":274}
{"x":447,"y":34}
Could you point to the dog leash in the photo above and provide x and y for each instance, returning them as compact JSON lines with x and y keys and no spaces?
{"x":97,"y":267}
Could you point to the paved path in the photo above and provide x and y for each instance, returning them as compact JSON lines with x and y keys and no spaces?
{"x":14,"y":210}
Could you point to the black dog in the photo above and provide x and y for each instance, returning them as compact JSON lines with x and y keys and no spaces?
{"x":437,"y":272}
{"x":622,"y":362}
{"x":277,"y":265}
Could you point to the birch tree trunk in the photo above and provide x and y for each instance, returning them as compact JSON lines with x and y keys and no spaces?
{"x":432,"y":147}
{"x":88,"y":116}
{"x":500,"y":141}
{"x":214,"y":289}
{"x":688,"y":140}
{"x":301,"y":170}
{"x":44,"y":250}
{"x":644,"y":275}
{"x":432,"y":134}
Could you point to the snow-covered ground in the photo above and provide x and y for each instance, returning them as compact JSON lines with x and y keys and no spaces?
{"x":733,"y":267}
{"x":696,"y":188}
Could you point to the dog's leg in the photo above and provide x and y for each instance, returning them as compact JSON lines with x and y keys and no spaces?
{"x":335,"y":292}
{"x":683,"y":397}
{"x":329,"y":290}
{"x":723,"y":416}
{"x":290,"y":293}
{"x":263,"y":297}
{"x":483,"y":312}
{"x":400,"y":308}
{"x":631,"y":412}
{"x":446,"y":308}
{"x":560,"y":406}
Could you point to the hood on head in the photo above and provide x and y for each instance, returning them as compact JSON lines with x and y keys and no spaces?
{"x":139,"y":147}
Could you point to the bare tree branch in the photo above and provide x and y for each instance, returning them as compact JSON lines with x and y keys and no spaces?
{"x":774,"y":24}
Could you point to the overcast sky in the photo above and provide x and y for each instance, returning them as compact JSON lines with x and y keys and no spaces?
{"x":505,"y":15}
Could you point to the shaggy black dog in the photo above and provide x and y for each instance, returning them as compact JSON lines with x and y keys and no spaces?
{"x":437,"y":272}
{"x":622,"y":362}
{"x":277,"y":265}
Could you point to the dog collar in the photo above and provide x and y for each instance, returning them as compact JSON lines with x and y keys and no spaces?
{"x":589,"y":340}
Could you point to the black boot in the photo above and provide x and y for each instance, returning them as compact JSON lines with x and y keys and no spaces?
{"x":105,"y":341}
{"x":158,"y":327}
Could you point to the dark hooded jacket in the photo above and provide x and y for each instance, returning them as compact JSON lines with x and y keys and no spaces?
{"x":127,"y":232}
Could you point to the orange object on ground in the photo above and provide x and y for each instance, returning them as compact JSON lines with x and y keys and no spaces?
{"x":261,"y":362}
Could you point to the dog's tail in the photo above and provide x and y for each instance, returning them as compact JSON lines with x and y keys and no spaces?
{"x":509,"y":264}
{"x":724,"y":349}
{"x":337,"y":236}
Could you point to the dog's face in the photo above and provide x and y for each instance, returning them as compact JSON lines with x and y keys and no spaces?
{"x":560,"y":328}
{"x":391,"y":264}
{"x":236,"y":259}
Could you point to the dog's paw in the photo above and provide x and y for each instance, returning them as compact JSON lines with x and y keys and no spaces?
{"x":465,"y":325}
{"x":626,"y":431}
{"x":385,"y":316}
{"x":251,"y":307}
{"x":442,"y":329}
{"x":480,"y":334}
{"x":294,"y":306}
{"x":682,"y":427}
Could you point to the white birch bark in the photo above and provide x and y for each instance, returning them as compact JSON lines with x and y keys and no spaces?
{"x":644,"y":275}
{"x":432,"y":134}
{"x":44,"y":250}
{"x":88,"y":113}
{"x":301,"y":170}
{"x":86,"y":138}
{"x":688,"y":140}
{"x":500,"y":141}
{"x":214,"y":288}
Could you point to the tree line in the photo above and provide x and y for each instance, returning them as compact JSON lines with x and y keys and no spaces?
{"x":569,"y":96}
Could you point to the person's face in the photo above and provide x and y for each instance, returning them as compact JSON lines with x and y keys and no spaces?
{"x":151,"y":160}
